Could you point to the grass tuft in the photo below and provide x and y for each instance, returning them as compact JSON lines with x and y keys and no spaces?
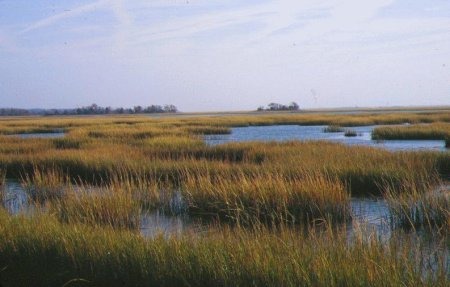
{"x":350,"y":133}
{"x":413,"y":206}
{"x":333,"y":129}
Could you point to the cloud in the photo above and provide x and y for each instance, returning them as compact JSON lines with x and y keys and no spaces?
{"x":70,"y":13}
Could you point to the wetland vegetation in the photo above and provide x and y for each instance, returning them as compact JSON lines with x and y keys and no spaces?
{"x":278,"y":212}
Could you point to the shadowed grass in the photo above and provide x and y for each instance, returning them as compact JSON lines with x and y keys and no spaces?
{"x":2,"y":186}
{"x":350,"y":133}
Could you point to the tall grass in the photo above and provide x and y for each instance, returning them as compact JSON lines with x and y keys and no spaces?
{"x":2,"y":187}
{"x":414,"y":206}
{"x":434,"y":131}
{"x":41,"y":251}
{"x":110,"y":206}
{"x":270,"y":198}
{"x":42,"y":185}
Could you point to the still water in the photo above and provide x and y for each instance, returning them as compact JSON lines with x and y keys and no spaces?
{"x":51,"y":135}
{"x":295,"y":132}
{"x":373,"y":213}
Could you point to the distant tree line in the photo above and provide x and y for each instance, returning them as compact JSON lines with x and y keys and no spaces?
{"x":97,"y":110}
{"x":279,"y":107}
{"x":93,"y":109}
{"x":13,"y":112}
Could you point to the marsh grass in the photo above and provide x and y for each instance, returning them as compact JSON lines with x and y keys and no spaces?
{"x":150,"y":193}
{"x":433,"y":131}
{"x":2,"y":187}
{"x":270,"y":198}
{"x":67,"y":143}
{"x":419,"y":206}
{"x":99,"y":178}
{"x":350,"y":133}
{"x":333,"y":129}
{"x":42,"y":185}
{"x":110,"y":206}
{"x":40,"y":251}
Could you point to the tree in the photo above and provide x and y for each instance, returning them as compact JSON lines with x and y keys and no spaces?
{"x":293,"y":106}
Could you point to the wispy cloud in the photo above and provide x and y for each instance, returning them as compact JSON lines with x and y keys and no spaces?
{"x":69,"y":13}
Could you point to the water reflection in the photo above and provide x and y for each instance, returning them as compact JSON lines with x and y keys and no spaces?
{"x":56,"y":134}
{"x":370,"y":215}
{"x":295,"y":132}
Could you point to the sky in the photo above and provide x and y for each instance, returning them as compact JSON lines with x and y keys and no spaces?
{"x":209,"y":55}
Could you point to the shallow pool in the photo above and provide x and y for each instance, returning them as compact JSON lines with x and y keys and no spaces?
{"x":296,"y":132}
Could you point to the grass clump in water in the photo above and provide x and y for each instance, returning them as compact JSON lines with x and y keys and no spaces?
{"x":42,"y":185}
{"x":433,"y":131}
{"x":333,"y":129}
{"x":414,"y":206}
{"x":109,"y":206}
{"x":269,"y":198}
{"x":350,"y":133}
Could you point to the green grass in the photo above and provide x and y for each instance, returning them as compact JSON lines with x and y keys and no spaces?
{"x":40,"y":251}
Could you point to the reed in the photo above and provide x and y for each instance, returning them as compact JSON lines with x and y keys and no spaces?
{"x":40,"y":251}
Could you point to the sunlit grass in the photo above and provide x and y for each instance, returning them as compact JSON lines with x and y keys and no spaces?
{"x":434,"y":131}
{"x":42,"y":185}
{"x":269,"y":198}
{"x":106,"y":171}
{"x":107,"y":206}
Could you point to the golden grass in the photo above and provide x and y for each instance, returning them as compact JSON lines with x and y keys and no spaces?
{"x":434,"y":131}
{"x":108,"y":206}
{"x":419,"y":206}
{"x":98,"y":178}
{"x":268,"y":198}
{"x":40,"y":251}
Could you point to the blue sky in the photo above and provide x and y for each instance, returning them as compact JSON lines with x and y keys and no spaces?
{"x":224,"y":55}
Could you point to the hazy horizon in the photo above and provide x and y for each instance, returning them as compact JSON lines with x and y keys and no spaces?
{"x":224,"y":55}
